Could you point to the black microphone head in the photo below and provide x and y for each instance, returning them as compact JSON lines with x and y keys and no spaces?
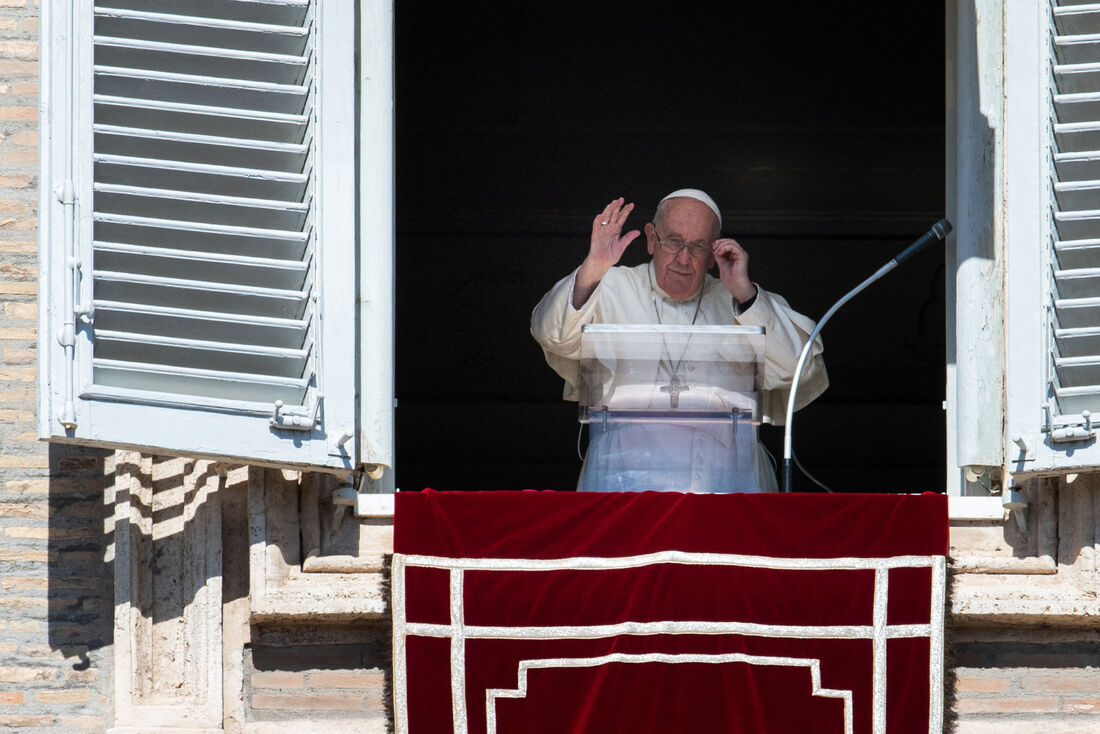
{"x":939,"y":231}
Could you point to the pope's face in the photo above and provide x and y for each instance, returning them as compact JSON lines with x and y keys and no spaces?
{"x":680,"y":221}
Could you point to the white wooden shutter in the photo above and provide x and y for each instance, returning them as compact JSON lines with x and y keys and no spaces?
{"x":1052,"y":175}
{"x":198,"y":228}
{"x":1075,"y":266}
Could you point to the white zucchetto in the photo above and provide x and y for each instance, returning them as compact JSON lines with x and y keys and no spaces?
{"x":698,"y":196}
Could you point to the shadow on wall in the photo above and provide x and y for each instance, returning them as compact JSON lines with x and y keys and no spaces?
{"x":80,"y":588}
{"x":162,"y":517}
{"x":148,"y":585}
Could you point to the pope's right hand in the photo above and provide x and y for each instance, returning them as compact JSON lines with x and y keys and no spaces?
{"x":608,"y":242}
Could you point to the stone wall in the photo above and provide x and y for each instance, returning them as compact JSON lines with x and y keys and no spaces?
{"x":214,"y":598}
{"x":336,"y":672}
{"x":55,"y":589}
{"x":1024,"y":627}
{"x":1018,"y":680}
{"x":239,"y":604}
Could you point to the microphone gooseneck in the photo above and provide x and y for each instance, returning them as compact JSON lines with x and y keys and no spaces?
{"x":937,"y":233}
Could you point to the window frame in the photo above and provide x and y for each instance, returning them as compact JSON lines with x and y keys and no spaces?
{"x":1001,"y":109}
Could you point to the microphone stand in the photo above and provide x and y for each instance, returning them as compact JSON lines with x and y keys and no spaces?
{"x":939,"y":231}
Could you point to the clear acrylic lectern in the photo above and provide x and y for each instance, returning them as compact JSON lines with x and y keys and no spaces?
{"x":670,"y":408}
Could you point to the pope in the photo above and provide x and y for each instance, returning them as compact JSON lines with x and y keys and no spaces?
{"x":674,"y":288}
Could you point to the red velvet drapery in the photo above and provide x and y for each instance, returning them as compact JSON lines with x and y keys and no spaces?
{"x":667,"y":612}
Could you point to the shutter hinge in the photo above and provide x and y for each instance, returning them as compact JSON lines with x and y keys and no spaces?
{"x":297,"y":421}
{"x":81,"y":311}
{"x":66,"y":336}
{"x":66,"y":193}
{"x":1069,"y":428}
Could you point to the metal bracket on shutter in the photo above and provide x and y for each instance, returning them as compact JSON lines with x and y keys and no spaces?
{"x":66,"y":337}
{"x":1069,"y":428}
{"x":363,"y":495}
{"x":81,"y":311}
{"x":283,"y":420}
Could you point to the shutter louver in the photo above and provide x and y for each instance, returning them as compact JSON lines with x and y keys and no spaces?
{"x":1075,"y":261}
{"x":204,"y":233}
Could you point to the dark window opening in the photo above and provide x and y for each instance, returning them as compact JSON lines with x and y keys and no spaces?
{"x":819,"y":131}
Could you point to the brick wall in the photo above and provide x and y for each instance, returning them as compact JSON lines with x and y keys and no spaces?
{"x":55,"y":593}
{"x":1027,"y":680}
{"x":320,"y":673}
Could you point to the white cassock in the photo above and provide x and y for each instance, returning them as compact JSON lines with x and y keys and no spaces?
{"x":632,"y":296}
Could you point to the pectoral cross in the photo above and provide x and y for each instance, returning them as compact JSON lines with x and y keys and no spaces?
{"x":674,"y":387}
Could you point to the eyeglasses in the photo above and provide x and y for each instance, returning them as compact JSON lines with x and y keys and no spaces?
{"x":672,"y":246}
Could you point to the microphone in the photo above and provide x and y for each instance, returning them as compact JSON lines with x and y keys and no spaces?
{"x":939,"y":231}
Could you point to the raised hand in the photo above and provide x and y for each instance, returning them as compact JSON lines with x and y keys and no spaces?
{"x":604,"y":250}
{"x":608,"y":243}
{"x":733,"y":268}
